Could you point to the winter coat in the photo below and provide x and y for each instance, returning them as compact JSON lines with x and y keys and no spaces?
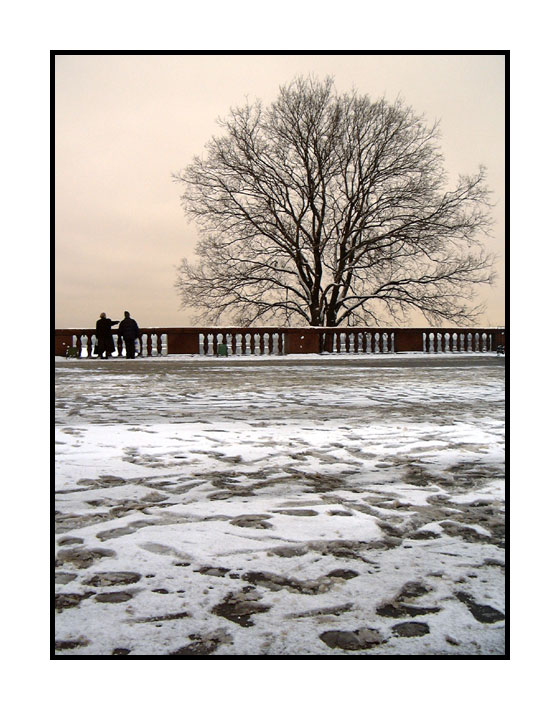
{"x":128,"y":329}
{"x":103,"y":335}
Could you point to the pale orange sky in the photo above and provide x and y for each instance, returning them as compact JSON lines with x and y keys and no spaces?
{"x":124,"y":123}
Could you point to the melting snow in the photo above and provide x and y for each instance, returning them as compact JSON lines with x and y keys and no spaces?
{"x":324,"y":506}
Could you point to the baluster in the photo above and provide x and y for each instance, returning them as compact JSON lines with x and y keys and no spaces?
{"x":88,"y":345}
{"x":205,"y":344}
{"x":280,"y":343}
{"x":149,"y":344}
{"x":233,"y":344}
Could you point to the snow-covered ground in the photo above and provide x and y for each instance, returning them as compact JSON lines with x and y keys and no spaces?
{"x":249,"y":506}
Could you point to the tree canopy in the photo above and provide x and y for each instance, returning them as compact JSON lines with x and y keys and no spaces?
{"x":327,"y":209}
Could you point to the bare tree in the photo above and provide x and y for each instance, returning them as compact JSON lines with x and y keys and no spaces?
{"x":330,"y":209}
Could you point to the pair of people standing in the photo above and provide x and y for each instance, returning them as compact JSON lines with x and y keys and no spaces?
{"x":128,"y":330}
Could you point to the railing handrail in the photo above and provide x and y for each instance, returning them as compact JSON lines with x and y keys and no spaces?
{"x":286,"y":329}
{"x":289,"y":339}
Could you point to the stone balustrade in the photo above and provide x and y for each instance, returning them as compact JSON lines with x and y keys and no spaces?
{"x":280,"y":341}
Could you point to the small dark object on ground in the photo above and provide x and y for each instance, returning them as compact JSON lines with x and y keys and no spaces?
{"x":501,"y":350}
{"x":411,"y":628}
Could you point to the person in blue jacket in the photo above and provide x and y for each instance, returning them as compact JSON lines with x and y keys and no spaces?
{"x":129,"y":331}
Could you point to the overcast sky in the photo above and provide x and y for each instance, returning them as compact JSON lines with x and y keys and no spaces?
{"x":124,"y":124}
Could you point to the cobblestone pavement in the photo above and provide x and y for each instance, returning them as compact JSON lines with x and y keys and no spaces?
{"x":336,"y":506}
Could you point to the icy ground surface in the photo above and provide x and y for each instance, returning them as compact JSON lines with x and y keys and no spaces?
{"x":220,"y":507}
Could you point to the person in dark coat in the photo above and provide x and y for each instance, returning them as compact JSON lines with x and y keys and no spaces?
{"x":129,"y":331}
{"x":105,"y":342}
